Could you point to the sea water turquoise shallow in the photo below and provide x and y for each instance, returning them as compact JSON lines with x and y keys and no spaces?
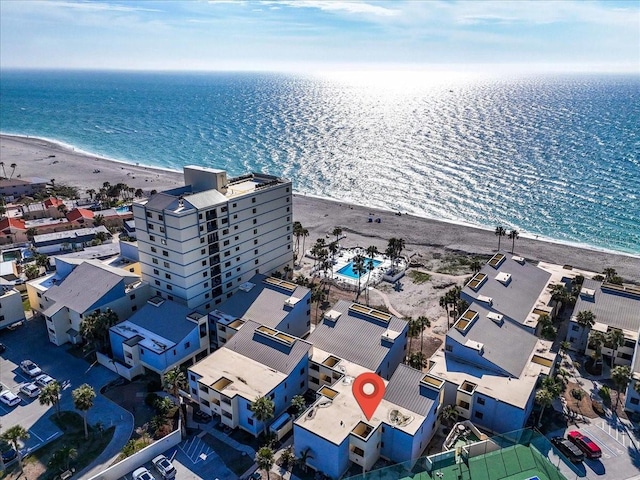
{"x":551,"y":155}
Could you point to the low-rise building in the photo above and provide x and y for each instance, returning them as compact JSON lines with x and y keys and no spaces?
{"x":258,"y":361}
{"x":615,"y":307}
{"x":268,"y":301}
{"x":512,"y":287}
{"x":334,"y":433}
{"x":12,"y":188}
{"x":158,"y":337}
{"x":70,"y":239}
{"x":491,"y":367}
{"x":80,"y":288}
{"x":632,"y":402}
{"x":375,"y":340}
{"x":12,"y":230}
{"x":11,"y":310}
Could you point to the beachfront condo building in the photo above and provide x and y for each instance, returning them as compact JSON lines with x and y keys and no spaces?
{"x":269,"y":301}
{"x":200,"y":242}
{"x":11,"y":309}
{"x":491,"y":366}
{"x":333,"y":434}
{"x":513,"y":288}
{"x":258,"y":361}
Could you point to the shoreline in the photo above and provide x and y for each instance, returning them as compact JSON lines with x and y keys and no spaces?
{"x":319,"y":215}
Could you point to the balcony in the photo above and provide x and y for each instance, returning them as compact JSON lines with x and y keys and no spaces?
{"x":212,"y":225}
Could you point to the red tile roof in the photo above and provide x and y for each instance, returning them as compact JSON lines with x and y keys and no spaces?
{"x":12,"y":223}
{"x":52,"y":202}
{"x":78,"y":214}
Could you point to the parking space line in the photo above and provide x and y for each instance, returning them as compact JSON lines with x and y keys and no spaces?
{"x":195,"y":449}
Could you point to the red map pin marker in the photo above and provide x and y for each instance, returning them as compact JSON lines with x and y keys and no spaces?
{"x":368,"y":389}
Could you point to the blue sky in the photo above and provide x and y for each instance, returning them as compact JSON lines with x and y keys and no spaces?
{"x":321,"y":35}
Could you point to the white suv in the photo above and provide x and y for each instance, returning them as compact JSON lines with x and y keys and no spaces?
{"x":164,"y":467}
{"x":30,"y":368}
{"x":30,"y":390}
{"x":10,"y":398}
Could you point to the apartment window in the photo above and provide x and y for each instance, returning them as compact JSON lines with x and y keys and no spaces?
{"x":250,"y":421}
{"x":225,"y":231}
{"x":572,"y":339}
{"x":203,"y":251}
{"x":170,"y":297}
{"x":237,"y":238}
{"x":256,"y":261}
{"x":227,"y":264}
{"x":202,"y":228}
{"x":255,"y":210}
{"x":207,"y":295}
{"x":227,"y":253}
{"x":225,"y":243}
{"x":634,"y":401}
{"x":237,"y":249}
{"x":255,"y":231}
{"x":162,"y":228}
{"x":255,"y":252}
{"x":234,"y":205}
{"x":149,"y":214}
{"x":257,"y":271}
{"x":202,"y":240}
{"x":169,"y":287}
{"x":39,"y":295}
{"x":288,"y":219}
{"x":160,"y":217}
{"x":230,"y":284}
{"x":480,"y":401}
{"x":238,"y":269}
{"x":154,"y":260}
{"x":223,"y":209}
{"x":575,"y":328}
{"x":448,"y":348}
{"x":166,"y":264}
{"x":253,"y":200}
{"x":156,"y":271}
{"x":204,"y":274}
{"x":141,"y":351}
{"x":204,"y":263}
{"x":227,"y":275}
{"x":134,"y":308}
{"x":463,"y":404}
{"x":167,"y":276}
{"x":132,"y":297}
{"x":157,"y":282}
{"x":150,"y":226}
{"x":152,"y":238}
{"x":255,"y":242}
{"x":199,"y":216}
{"x":229,"y":294}
{"x":153,"y":249}
{"x":255,"y":221}
{"x":288,"y":228}
{"x":288,"y":209}
{"x":288,"y":237}
{"x":478,"y":415}
{"x":163,"y":241}
{"x":287,"y":189}
{"x":288,"y":247}
{"x":165,"y":253}
{"x":187,"y":344}
{"x":235,"y":217}
{"x":288,"y":199}
{"x":225,"y":221}
{"x":206,"y":285}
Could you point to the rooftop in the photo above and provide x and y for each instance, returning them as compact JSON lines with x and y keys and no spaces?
{"x":613,"y":305}
{"x":513,"y":286}
{"x":160,"y":327}
{"x":356,"y":337}
{"x":261,"y":301}
{"x":69,"y":234}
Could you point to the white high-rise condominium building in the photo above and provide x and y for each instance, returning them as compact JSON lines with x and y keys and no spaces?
{"x":200,"y":242}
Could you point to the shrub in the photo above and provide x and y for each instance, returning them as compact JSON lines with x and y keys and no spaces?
{"x":151,"y":399}
{"x":577,"y":393}
{"x":605,"y":393}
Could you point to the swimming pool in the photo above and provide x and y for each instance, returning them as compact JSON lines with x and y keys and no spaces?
{"x":122,"y":210}
{"x":347,"y":270}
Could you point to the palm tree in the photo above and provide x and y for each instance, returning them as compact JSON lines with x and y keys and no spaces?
{"x":50,"y":395}
{"x":13,"y":169}
{"x":337,"y":231}
{"x":544,"y":398}
{"x":265,"y":459}
{"x":61,"y":458}
{"x":98,"y":220}
{"x":621,"y":376}
{"x":172,"y":382}
{"x":139,"y":193}
{"x":31,"y":232}
{"x":14,"y":435}
{"x":297,"y":233}
{"x":304,"y":456}
{"x":444,"y":303}
{"x":565,"y":347}
{"x":95,"y":327}
{"x":417,"y":360}
{"x":586,"y":319}
{"x":83,"y":398}
{"x":263,"y":409}
{"x":513,"y":236}
{"x":4,"y":172}
{"x":412,"y":332}
{"x":609,"y":273}
{"x":500,"y":232}
{"x":449,"y":415}
{"x":475,"y":265}
{"x":372,"y":251}
{"x":614,"y":340}
{"x":298,"y":403}
{"x":424,"y":322}
{"x":304,"y":233}
{"x":318,"y":296}
{"x":91,"y":192}
{"x":359,"y":269}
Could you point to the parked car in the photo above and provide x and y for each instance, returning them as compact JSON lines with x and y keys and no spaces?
{"x":44,"y":380}
{"x":3,"y":348}
{"x":584,"y":443}
{"x":8,"y":455}
{"x":164,"y":466}
{"x":256,"y":476}
{"x":142,"y":474}
{"x":30,"y":368}
{"x":9,"y":398}
{"x":30,"y":390}
{"x":568,"y":449}
{"x":201,"y":416}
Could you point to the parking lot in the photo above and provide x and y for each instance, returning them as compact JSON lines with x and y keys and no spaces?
{"x":193,"y":460}
{"x":30,"y":341}
{"x":620,"y":458}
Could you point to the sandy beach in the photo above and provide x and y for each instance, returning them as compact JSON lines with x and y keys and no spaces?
{"x":423,"y":237}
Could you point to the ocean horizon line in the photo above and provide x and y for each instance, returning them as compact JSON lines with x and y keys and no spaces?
{"x":489,"y":229}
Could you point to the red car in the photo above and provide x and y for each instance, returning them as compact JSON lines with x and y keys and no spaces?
{"x":588,"y":446}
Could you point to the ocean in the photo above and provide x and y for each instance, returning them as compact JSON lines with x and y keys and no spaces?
{"x":553,"y":156}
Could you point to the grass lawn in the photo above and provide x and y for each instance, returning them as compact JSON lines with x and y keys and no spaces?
{"x":72,"y":426}
{"x":419,"y":277}
{"x":236,"y":461}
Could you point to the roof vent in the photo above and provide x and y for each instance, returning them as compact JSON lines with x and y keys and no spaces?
{"x":156,"y":301}
{"x":291,"y":301}
{"x":246,"y":286}
{"x":485,"y":299}
{"x":332,"y":315}
{"x":504,"y":278}
{"x":588,"y":293}
{"x":495,"y":317}
{"x":497,"y":260}
{"x":475,"y":345}
{"x":476,"y":282}
{"x":520,"y":260}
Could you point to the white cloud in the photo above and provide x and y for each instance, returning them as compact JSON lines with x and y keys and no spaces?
{"x":355,"y":7}
{"x":98,"y":6}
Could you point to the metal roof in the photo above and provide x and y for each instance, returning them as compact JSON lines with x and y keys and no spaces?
{"x":76,"y":235}
{"x":160,"y":201}
{"x":168,"y":320}
{"x":84,"y":287}
{"x":275,"y":355}
{"x":517,"y":299}
{"x":611,"y":307}
{"x":405,"y":391}
{"x":505,"y":345}
{"x":355,"y":338}
{"x":264,"y":303}
{"x":205,"y":199}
